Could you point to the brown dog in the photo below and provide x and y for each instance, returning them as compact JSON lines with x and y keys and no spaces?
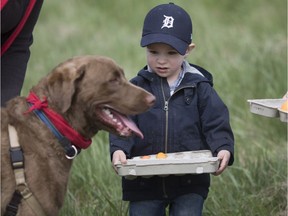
{"x":89,"y":93}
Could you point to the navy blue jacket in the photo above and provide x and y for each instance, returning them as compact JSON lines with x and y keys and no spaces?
{"x":193,"y":118}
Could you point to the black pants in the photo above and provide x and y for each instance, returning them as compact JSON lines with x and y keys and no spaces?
{"x":14,"y":60}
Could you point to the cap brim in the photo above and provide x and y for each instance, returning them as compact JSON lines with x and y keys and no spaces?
{"x":174,"y":42}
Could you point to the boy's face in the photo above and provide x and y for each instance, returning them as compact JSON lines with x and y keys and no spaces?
{"x":165,"y":61}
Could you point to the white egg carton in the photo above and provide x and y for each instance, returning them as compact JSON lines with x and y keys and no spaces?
{"x":189,"y":162}
{"x":283,"y":115}
{"x":269,"y":107}
{"x":266,"y":107}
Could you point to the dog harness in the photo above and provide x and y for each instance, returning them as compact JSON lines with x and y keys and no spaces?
{"x":70,"y":139}
{"x":22,"y":190}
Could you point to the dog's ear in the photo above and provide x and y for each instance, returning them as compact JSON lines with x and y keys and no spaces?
{"x":62,"y":85}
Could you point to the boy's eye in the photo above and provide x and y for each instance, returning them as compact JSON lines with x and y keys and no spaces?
{"x":172,"y":53}
{"x":153,"y":51}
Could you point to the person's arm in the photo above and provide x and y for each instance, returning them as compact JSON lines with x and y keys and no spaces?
{"x":216,"y":126}
{"x":17,"y":22}
{"x":14,"y":61}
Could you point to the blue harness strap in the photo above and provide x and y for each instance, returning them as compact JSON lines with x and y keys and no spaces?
{"x":70,"y":150}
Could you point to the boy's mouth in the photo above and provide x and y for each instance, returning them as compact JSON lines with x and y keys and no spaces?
{"x":162,"y":69}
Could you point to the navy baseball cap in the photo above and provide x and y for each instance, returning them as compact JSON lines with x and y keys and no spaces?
{"x":169,"y":24}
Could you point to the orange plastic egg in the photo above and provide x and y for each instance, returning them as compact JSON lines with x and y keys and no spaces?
{"x":161,"y":155}
{"x":284,"y":106}
{"x":145,"y":157}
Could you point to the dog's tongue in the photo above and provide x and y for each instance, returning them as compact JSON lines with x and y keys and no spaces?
{"x":131,"y":125}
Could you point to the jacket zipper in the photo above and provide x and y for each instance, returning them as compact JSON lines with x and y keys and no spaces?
{"x":165,"y":108}
{"x":166,"y":125}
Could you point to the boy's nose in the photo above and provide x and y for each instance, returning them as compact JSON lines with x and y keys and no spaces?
{"x":161,"y":59}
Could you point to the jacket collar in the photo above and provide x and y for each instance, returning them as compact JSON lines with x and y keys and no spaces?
{"x":193,"y":73}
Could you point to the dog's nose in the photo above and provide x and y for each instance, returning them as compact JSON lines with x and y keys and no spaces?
{"x":150,"y":99}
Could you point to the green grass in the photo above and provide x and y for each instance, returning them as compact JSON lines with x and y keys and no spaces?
{"x":243,"y":43}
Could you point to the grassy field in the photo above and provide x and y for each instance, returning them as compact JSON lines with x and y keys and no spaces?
{"x":243,"y":43}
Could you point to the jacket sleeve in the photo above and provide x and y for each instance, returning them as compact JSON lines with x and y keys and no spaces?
{"x":215,"y":120}
{"x":120,"y":143}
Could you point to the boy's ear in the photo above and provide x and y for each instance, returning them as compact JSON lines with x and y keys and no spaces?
{"x":189,"y":49}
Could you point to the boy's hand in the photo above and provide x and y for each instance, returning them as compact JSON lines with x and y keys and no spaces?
{"x":118,"y":155}
{"x":224,"y":157}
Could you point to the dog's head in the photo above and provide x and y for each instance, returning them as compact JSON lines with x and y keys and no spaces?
{"x":93,"y":94}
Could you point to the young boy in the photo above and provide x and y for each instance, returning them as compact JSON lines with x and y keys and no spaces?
{"x":188,"y":115}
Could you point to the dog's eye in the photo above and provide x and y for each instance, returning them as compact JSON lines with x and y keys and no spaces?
{"x":114,"y":80}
